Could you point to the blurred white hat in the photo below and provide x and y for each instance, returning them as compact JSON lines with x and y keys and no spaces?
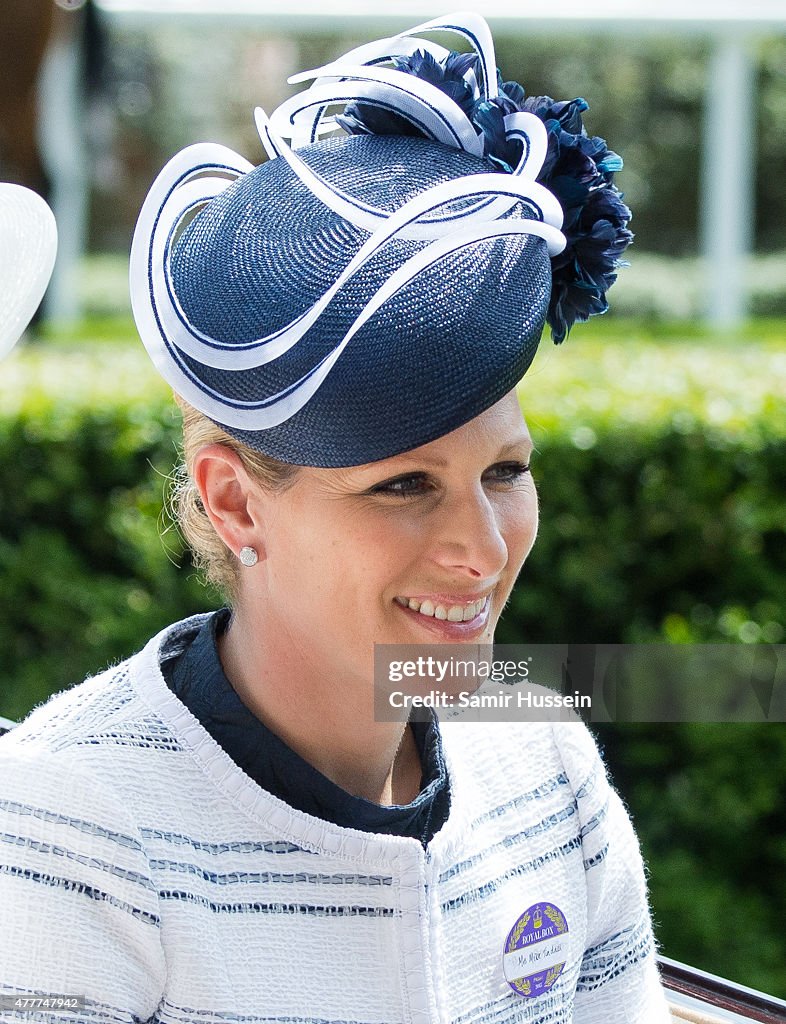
{"x":28,"y":243}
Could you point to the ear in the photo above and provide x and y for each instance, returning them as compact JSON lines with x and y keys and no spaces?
{"x":226,"y":491}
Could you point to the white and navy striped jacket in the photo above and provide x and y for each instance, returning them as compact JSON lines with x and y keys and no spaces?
{"x":141,"y":869}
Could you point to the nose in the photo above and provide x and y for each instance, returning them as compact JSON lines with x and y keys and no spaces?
{"x":471,"y":537}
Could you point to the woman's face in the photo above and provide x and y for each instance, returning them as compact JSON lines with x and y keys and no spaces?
{"x":423,"y":547}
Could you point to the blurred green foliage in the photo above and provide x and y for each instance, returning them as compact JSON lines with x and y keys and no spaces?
{"x":661,"y":470}
{"x":87,"y":442}
{"x":647,"y":93}
{"x":661,"y":464}
{"x":708,"y":805}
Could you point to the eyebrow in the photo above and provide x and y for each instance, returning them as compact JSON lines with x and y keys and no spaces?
{"x":512,"y":447}
{"x":523,"y":441}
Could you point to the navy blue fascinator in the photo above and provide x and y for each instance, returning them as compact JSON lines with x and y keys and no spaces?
{"x":357,"y":296}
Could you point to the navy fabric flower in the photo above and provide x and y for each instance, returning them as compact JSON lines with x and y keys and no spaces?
{"x":368,"y":119}
{"x":489,"y":117}
{"x":579,"y":169}
{"x":448,"y":77}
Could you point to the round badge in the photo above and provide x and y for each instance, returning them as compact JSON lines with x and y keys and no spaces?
{"x":536,"y":950}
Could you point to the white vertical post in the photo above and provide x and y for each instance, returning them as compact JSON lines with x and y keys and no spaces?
{"x":727,"y":186}
{"x":64,"y":154}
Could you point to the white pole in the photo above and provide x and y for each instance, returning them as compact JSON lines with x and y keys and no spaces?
{"x":65,"y":157}
{"x":727,"y":192}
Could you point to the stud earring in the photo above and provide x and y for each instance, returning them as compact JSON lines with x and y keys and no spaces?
{"x":248,"y":556}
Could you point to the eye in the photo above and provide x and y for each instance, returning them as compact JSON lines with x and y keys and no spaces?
{"x":507,"y":472}
{"x":411,"y":485}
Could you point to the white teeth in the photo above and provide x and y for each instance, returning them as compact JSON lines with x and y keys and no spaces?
{"x":451,"y":613}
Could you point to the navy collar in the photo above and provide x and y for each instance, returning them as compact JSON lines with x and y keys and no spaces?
{"x":195,"y":675}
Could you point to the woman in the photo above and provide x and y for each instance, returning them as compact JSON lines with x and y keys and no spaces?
{"x":219,"y":828}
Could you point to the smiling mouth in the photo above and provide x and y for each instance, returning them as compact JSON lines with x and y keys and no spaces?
{"x":445,"y":612}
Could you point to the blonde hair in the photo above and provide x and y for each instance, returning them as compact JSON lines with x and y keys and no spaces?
{"x":211,"y":555}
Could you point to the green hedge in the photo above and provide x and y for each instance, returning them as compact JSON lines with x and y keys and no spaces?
{"x":662,"y":474}
{"x":86,"y":444}
{"x":709,"y":809}
{"x":661,"y":469}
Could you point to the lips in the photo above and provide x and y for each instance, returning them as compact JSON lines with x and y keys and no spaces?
{"x":444,"y":610}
